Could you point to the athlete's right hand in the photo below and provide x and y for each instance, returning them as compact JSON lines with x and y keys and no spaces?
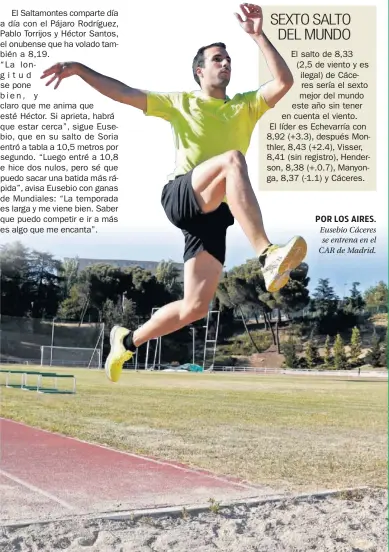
{"x":60,"y":71}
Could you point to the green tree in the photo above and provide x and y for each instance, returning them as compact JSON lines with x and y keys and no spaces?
{"x":356,"y":300}
{"x":234,"y":291}
{"x":340,"y":359}
{"x":69,"y":275}
{"x":101,"y":282}
{"x":295,"y":295}
{"x":384,"y":352}
{"x":312,"y":354}
{"x":15,"y":285}
{"x":222,"y":294}
{"x":256,"y":298}
{"x":226,"y":320}
{"x":374,"y":356}
{"x":71,"y":308}
{"x":327,"y":352}
{"x":146,"y":291}
{"x":325,"y":300}
{"x":331,"y":316}
{"x":243,"y":284}
{"x":30,"y":281}
{"x":289,"y":351}
{"x":355,"y":346}
{"x":168,"y":275}
{"x":245,"y":287}
{"x":376,"y":295}
{"x":121,"y":313}
{"x":45,"y":283}
{"x":95,"y":284}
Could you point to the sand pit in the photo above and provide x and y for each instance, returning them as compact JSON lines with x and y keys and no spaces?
{"x":356,"y":523}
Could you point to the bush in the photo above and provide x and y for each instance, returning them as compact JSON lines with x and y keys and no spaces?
{"x":297,"y":330}
{"x":355,"y":347}
{"x":384,"y":357}
{"x":289,"y":352}
{"x":241,"y":345}
{"x":384,"y":353}
{"x":312,"y":356}
{"x":327,"y":353}
{"x":374,"y":356}
{"x":340,"y":358}
{"x":224,"y":360}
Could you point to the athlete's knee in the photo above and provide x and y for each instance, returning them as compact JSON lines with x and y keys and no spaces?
{"x":193,"y":310}
{"x":235,"y":159}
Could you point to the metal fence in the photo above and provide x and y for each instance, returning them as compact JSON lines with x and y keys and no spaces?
{"x":21,"y":339}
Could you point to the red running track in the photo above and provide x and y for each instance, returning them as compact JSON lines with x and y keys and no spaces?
{"x":45,"y":475}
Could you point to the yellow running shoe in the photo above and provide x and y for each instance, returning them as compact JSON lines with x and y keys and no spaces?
{"x":280,"y":260}
{"x":118,"y":354}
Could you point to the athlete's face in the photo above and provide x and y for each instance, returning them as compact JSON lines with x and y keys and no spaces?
{"x":217,"y":68}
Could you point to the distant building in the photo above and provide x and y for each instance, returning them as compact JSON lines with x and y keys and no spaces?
{"x":122,"y":263}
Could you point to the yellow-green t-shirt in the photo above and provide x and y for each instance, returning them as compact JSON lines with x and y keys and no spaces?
{"x":204,"y":127}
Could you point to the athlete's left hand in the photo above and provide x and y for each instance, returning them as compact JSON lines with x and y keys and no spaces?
{"x":252,"y":25}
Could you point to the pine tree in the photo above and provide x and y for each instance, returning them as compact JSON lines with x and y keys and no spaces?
{"x":327,"y":352}
{"x":377,"y":295}
{"x":384,"y":352}
{"x":311,"y":354}
{"x":374,"y":356}
{"x":325,"y":297}
{"x":356,"y":299}
{"x":289,"y":352}
{"x":355,"y":346}
{"x":340,"y":359}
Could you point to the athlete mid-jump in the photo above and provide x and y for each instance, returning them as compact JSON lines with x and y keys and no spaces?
{"x":210,"y":186}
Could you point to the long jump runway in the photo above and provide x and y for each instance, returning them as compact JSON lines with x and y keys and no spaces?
{"x":48,"y":476}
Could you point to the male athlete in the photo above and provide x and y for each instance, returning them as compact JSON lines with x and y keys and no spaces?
{"x":210,"y":186}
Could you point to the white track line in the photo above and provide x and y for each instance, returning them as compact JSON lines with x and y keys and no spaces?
{"x":36,"y":490}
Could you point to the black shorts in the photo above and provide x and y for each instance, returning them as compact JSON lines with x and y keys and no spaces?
{"x":202,"y":231}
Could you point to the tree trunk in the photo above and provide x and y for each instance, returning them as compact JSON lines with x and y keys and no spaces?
{"x":278,"y":339}
{"x":84,"y":310}
{"x":247,"y":330}
{"x":279,"y":316}
{"x":265,"y":319}
{"x":272,"y":330}
{"x":256,"y":316}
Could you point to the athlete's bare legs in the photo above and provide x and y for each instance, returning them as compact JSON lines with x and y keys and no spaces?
{"x":201,"y":278}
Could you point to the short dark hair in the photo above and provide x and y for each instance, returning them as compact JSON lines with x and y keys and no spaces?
{"x":198,"y":60}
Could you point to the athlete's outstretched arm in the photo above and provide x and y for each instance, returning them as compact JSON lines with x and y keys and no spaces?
{"x":282,"y":81}
{"x":107,"y":86}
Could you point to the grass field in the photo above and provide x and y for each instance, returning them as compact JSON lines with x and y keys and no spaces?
{"x":290,"y":432}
